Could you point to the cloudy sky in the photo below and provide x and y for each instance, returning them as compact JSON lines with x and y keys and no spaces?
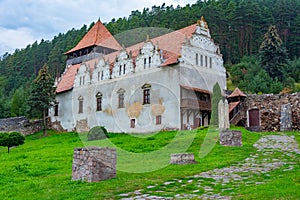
{"x":24,"y":21}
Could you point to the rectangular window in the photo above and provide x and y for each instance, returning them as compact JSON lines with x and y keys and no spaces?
{"x":132,"y":123}
{"x":197,"y":61}
{"x":201,"y":60}
{"x":147,"y":96}
{"x":205,"y":61}
{"x":145,"y":62}
{"x":99,"y":104}
{"x":121,"y":100}
{"x":158,"y":119}
{"x":80,"y":80}
{"x":98,"y":76}
{"x":149,"y":61}
{"x":56,"y":110}
{"x":101,"y":75}
{"x":120,"y":70}
{"x":124,"y":68}
{"x":80,"y":110}
{"x":210,"y":62}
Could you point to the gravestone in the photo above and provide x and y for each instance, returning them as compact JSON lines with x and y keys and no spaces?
{"x":231,"y":138}
{"x":223,"y":114}
{"x":286,"y":122}
{"x":183,"y":158}
{"x":94,"y":164}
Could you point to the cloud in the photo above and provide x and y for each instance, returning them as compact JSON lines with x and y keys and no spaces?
{"x":22,"y":22}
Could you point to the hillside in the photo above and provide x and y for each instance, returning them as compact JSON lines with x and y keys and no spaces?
{"x":238,"y":26}
{"x":42,"y":168}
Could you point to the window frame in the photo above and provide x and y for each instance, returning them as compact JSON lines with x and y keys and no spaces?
{"x":158,"y":119}
{"x":80,"y":105}
{"x":99,"y":101}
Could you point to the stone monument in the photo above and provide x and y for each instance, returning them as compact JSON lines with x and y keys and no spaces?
{"x":286,"y":122}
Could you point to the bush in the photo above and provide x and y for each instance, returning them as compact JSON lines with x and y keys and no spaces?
{"x":97,"y":133}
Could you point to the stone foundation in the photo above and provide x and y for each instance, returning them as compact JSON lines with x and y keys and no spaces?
{"x":183,"y":158}
{"x":231,"y":138}
{"x":94,"y":164}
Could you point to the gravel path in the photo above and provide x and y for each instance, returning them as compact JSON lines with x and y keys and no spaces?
{"x":273,"y":152}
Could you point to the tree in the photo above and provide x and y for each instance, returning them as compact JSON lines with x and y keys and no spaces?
{"x":217,"y":96}
{"x":11,"y":139}
{"x":273,"y":56}
{"x":42,"y":95}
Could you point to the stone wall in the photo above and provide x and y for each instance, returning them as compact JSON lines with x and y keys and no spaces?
{"x":269,"y":106}
{"x":93,"y":164}
{"x":21,"y":125}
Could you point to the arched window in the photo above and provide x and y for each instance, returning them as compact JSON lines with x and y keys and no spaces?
{"x":80,"y":104}
{"x":99,"y":101}
{"x":121,"y":93}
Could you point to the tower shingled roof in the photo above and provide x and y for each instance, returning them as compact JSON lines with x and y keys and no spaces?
{"x":98,"y":35}
{"x":237,"y":93}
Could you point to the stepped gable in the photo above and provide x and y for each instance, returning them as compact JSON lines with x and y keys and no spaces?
{"x":170,"y":44}
{"x":98,"y":35}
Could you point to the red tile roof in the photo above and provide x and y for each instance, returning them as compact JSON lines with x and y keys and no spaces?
{"x":97,"y":35}
{"x":237,"y":93}
{"x":195,"y":89}
{"x":170,"y":44}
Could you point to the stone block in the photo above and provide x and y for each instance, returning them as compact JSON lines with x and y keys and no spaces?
{"x":231,"y":138}
{"x":286,"y":122}
{"x":183,"y":158}
{"x":94,"y":164}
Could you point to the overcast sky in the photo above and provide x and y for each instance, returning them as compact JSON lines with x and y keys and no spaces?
{"x":24,"y":21}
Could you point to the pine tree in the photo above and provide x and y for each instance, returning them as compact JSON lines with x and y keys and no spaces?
{"x":273,"y":56}
{"x":42,"y":95}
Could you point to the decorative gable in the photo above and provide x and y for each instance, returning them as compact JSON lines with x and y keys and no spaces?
{"x":82,"y":76}
{"x":101,"y":71}
{"x":123,"y":64}
{"x":148,"y":57}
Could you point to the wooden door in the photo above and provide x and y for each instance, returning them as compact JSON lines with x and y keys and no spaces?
{"x":254,"y":117}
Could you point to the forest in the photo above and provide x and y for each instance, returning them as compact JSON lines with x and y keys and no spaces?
{"x":242,"y":28}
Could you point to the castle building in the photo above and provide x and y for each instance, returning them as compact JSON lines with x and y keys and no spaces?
{"x":162,"y":83}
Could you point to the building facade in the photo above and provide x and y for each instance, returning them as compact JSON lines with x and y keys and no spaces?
{"x":162,"y":83}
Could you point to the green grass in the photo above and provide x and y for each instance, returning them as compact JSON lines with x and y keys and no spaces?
{"x":42,"y":167}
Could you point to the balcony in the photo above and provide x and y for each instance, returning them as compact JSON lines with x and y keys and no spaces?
{"x":195,"y":104}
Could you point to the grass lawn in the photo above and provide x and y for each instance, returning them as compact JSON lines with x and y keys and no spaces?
{"x":42,"y":167}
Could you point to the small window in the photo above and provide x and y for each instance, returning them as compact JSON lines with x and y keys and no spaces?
{"x":205,"y":61}
{"x":147,"y":96}
{"x":120,"y":70}
{"x":56,"y":110}
{"x":132,"y":123}
{"x":101,"y":75}
{"x":98,"y":76}
{"x":80,"y":80}
{"x":121,"y":100}
{"x":124,"y":69}
{"x":145,"y":62}
{"x":158,"y":119}
{"x":197,"y":62}
{"x":80,"y":106}
{"x":149,"y":61}
{"x":201,"y":60}
{"x":98,"y":101}
{"x":210,"y":62}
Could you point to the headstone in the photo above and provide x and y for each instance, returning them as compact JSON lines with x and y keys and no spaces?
{"x":286,"y":122}
{"x":94,"y":164}
{"x":223,"y":114}
{"x":182,"y":158}
{"x":231,"y":138}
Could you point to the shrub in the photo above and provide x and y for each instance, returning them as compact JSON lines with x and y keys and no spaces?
{"x":11,"y":139}
{"x":97,"y":133}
